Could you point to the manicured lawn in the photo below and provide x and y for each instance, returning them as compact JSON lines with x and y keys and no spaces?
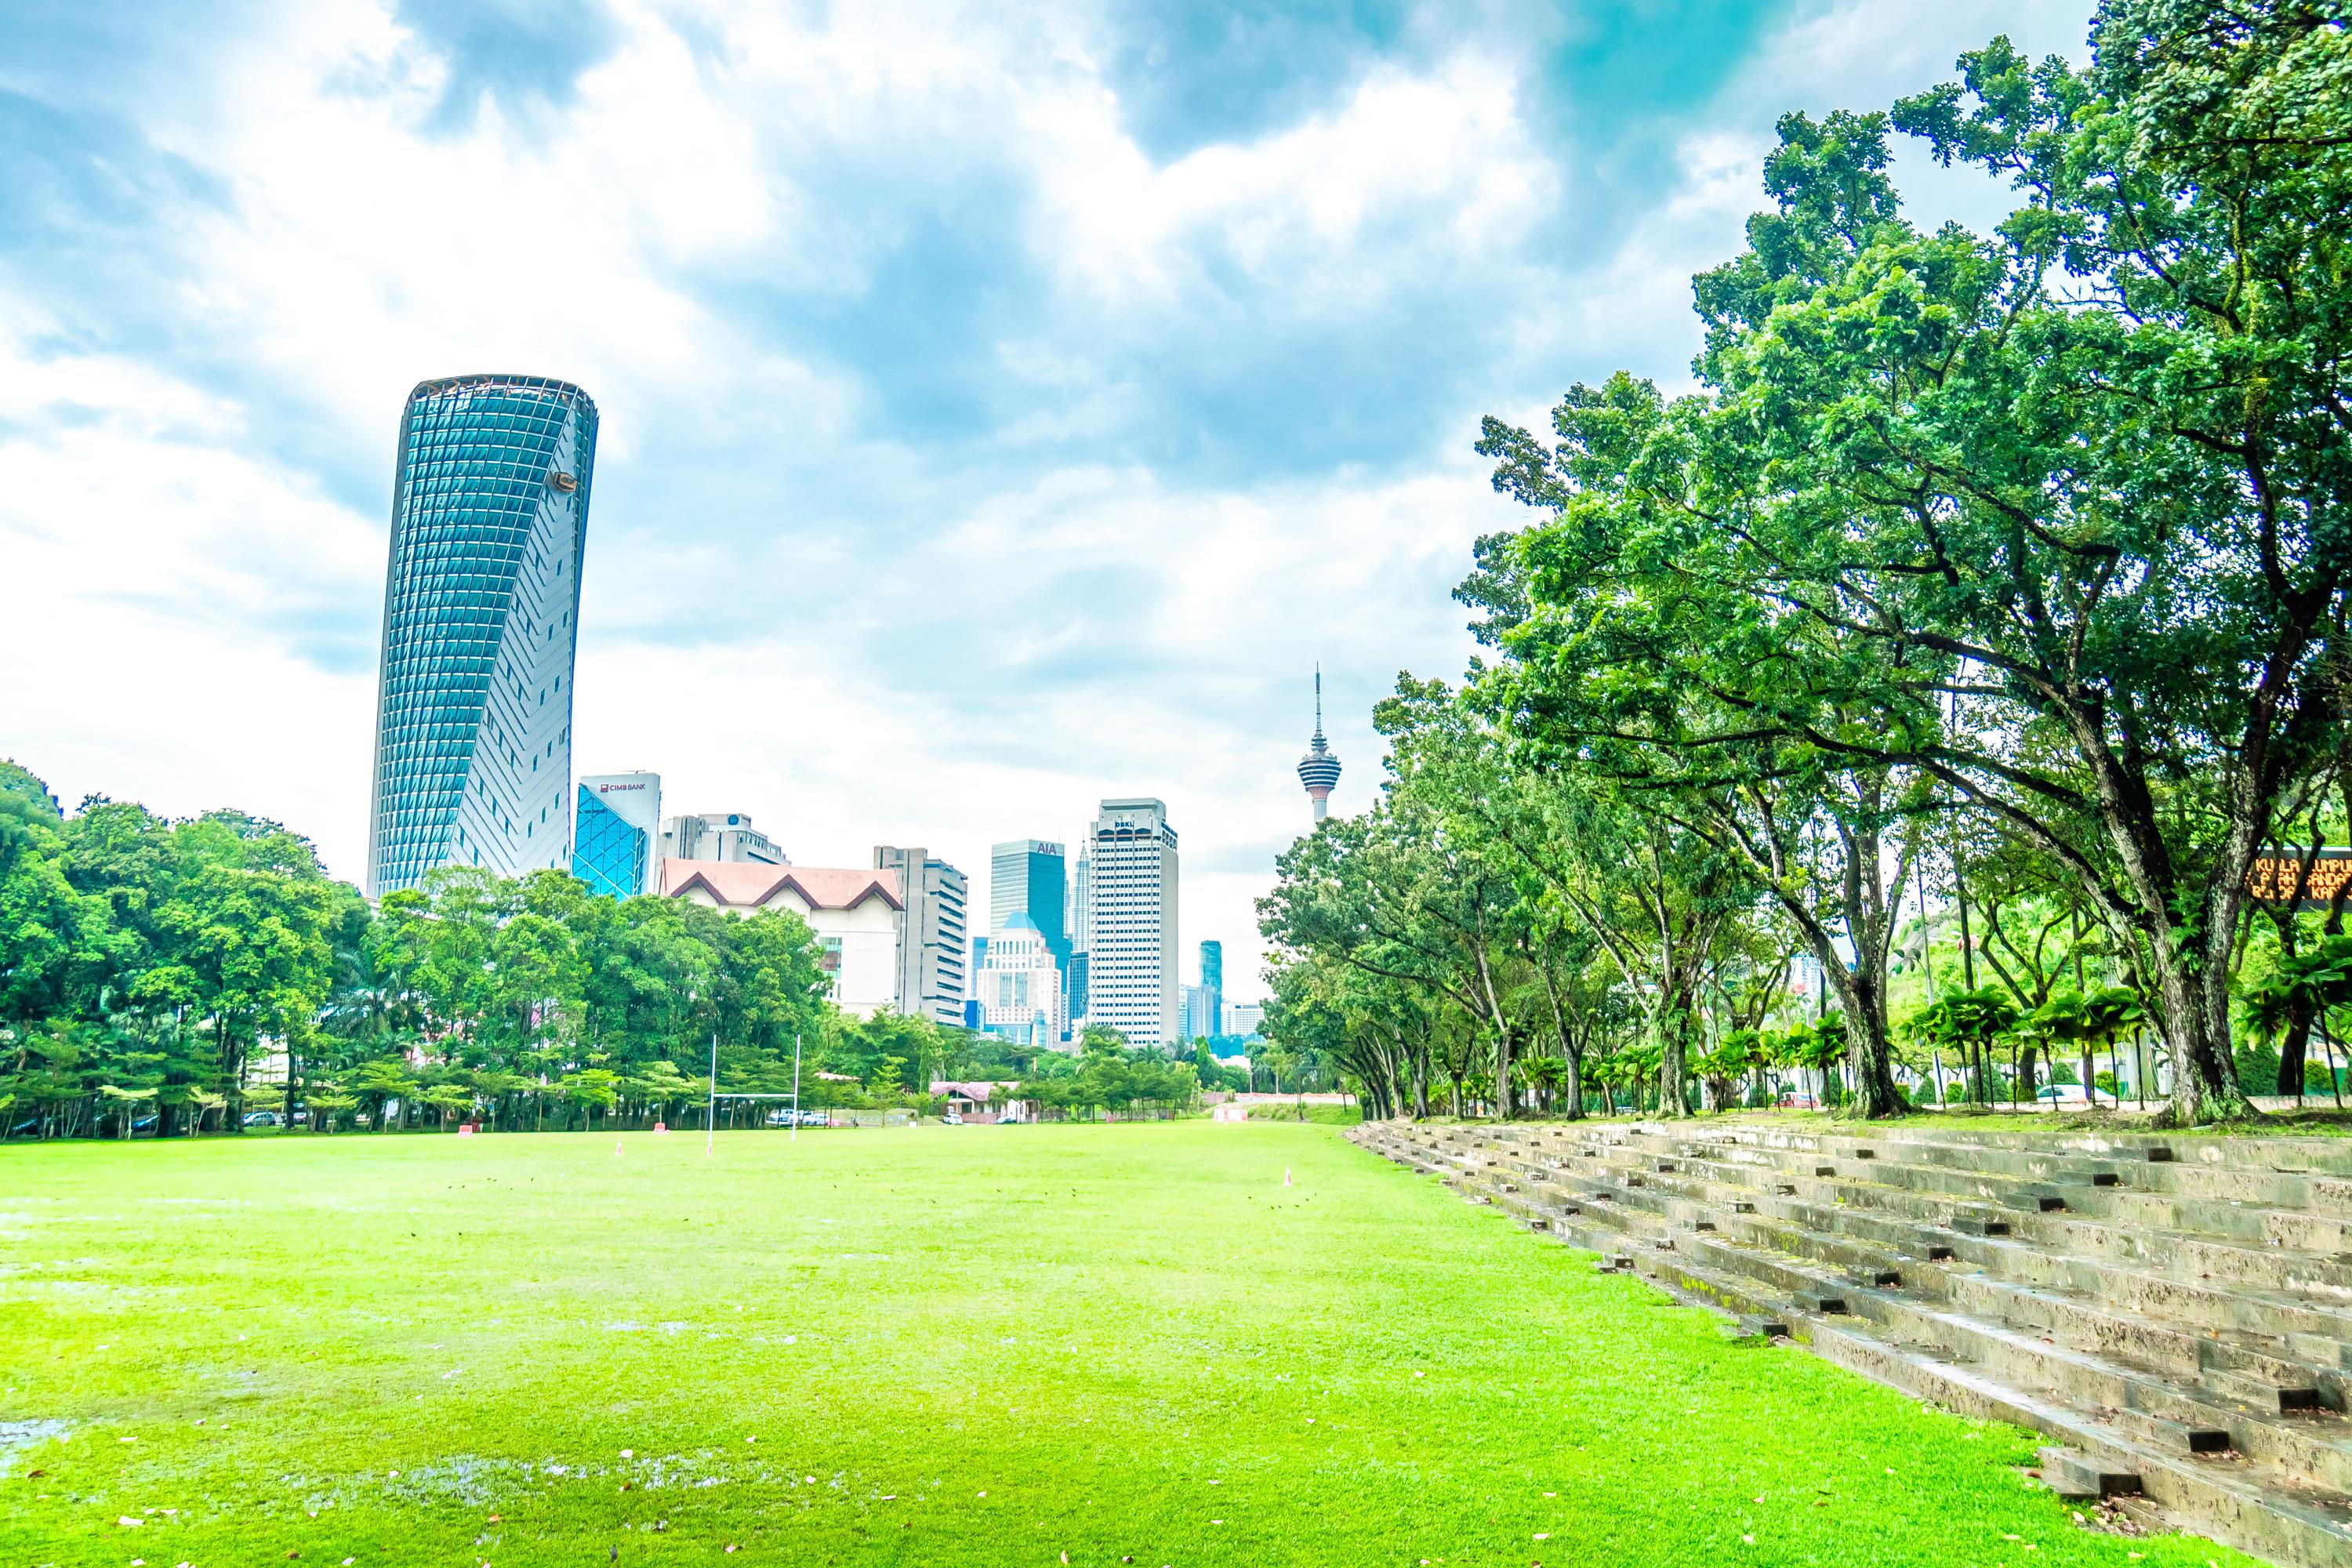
{"x":944,"y":1345}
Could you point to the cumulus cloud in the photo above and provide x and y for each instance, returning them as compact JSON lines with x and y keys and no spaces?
{"x":1002,"y":408}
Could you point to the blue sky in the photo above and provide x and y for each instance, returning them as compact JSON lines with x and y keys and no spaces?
{"x":1003,"y":406}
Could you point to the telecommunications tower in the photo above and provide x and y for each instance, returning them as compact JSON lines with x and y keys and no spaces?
{"x":1319,"y":770}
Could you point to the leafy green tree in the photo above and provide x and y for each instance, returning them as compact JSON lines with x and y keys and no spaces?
{"x":56,"y":944}
{"x":1967,"y":1024}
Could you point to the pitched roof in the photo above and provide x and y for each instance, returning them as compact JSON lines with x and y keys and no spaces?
{"x":747,"y":885}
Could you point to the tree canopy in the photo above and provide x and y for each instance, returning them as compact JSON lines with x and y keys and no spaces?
{"x":2024,"y":550}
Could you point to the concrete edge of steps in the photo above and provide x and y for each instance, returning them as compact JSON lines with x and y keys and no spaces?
{"x":2260,"y":1513}
{"x":1994,"y":1264}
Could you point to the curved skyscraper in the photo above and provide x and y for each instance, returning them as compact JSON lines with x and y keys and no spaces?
{"x":481,"y":600}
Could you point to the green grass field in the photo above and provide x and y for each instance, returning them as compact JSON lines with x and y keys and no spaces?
{"x":943,"y":1345}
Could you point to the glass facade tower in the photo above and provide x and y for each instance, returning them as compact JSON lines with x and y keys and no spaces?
{"x":612,"y":829}
{"x":1028,"y":876}
{"x":1212,"y":989}
{"x":1025,"y":876}
{"x":481,"y":602}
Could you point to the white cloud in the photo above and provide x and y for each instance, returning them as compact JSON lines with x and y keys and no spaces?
{"x":904,"y":664}
{"x":1443,"y":157}
{"x":171,"y":585}
{"x":831,"y":756}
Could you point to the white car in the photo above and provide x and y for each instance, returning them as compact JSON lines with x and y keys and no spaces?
{"x":951,"y":1119}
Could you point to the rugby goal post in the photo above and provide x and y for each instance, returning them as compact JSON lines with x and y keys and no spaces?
{"x":710,"y":1129}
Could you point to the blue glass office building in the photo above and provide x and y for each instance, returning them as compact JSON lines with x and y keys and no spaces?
{"x":481,"y":600}
{"x":613,"y":834}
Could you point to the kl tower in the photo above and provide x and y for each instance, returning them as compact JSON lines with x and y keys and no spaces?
{"x":1319,"y":770}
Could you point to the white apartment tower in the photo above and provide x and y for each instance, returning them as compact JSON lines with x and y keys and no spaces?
{"x":1132,"y":983}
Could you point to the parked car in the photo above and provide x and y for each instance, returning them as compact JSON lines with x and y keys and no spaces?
{"x":263,"y":1119}
{"x":1800,"y":1102}
{"x":951,"y":1119}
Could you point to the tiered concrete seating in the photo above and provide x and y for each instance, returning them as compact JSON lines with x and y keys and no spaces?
{"x":2175,"y":1314}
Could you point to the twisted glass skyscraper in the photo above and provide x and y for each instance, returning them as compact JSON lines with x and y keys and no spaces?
{"x":473,"y":732}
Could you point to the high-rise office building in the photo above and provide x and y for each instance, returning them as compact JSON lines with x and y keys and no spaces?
{"x":616,"y":822}
{"x":932,"y":978}
{"x":1026,"y":877}
{"x":481,"y":606}
{"x":1020,"y":986}
{"x":1319,"y":770}
{"x":720,"y":836}
{"x":1245,"y":1018}
{"x":1212,"y":989}
{"x":1196,"y":1018}
{"x":971,"y":1014}
{"x":1081,"y":891}
{"x":1131,"y":980}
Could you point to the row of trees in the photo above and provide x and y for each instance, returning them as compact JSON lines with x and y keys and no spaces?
{"x":175,"y":977}
{"x":2012,"y":564}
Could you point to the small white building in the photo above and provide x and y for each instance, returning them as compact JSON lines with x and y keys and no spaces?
{"x":857,"y":917}
{"x":719,"y":836}
{"x":1020,"y":987}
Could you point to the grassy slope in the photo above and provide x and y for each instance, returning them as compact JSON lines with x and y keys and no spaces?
{"x":1088,"y":1324}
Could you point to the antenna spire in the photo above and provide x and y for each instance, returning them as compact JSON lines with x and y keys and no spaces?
{"x":1319,"y":770}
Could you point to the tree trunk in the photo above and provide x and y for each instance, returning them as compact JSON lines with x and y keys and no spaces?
{"x":1869,"y":1053}
{"x":1505,"y":1106}
{"x":2294,"y":1049}
{"x":2197,"y":1006}
{"x":1667,"y":1023}
{"x":1572,"y":1080}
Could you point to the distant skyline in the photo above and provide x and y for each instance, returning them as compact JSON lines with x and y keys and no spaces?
{"x":1002,"y":410}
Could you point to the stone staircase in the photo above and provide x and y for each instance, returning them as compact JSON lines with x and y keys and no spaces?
{"x":2175,"y":1315}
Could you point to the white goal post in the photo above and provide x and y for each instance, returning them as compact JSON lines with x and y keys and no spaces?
{"x":711,"y":1130}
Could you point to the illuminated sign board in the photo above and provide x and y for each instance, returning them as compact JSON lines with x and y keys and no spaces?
{"x":2285,"y":879}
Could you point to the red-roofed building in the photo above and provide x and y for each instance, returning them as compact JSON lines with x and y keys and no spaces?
{"x":859,"y":915}
{"x":971,"y":1100}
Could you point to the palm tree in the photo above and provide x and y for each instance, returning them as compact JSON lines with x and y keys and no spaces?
{"x":1545,"y":1075}
{"x":382,"y":1081}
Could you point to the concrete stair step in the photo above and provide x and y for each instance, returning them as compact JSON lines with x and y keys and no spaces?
{"x":2193,"y":1306}
{"x":2319,"y":1278}
{"x":2089,"y":1323}
{"x":2262,"y":1392}
{"x":1753,"y":1275}
{"x":2077,"y":1185}
{"x":2301,"y":1525}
